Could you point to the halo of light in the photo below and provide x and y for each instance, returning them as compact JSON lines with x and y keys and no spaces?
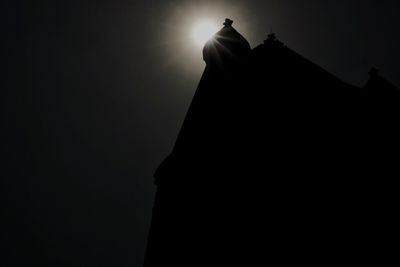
{"x":203,"y":30}
{"x":176,"y":42}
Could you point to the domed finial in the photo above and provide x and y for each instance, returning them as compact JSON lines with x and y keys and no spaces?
{"x":272,"y":40}
{"x":272,"y":37}
{"x":228,"y":22}
{"x":373,"y":72}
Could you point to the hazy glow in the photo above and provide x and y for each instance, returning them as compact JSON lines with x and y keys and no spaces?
{"x":186,"y":25}
{"x":203,"y":31}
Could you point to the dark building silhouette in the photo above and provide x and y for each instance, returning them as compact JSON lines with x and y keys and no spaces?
{"x":277,"y":161}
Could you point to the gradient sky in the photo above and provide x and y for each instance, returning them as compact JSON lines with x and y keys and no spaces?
{"x":96,"y":91}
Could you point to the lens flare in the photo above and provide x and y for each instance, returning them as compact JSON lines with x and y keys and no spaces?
{"x":203,"y":31}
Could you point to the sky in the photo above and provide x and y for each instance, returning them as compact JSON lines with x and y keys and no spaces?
{"x":95,"y":93}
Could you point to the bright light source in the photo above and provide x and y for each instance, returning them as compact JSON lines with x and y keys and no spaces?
{"x":203,"y":31}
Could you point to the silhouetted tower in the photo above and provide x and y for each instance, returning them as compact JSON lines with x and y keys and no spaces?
{"x":189,"y":180}
{"x":202,"y":130}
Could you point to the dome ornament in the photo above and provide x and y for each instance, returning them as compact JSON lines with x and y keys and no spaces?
{"x":228,"y":22}
{"x":272,"y":39}
{"x":374,"y":72}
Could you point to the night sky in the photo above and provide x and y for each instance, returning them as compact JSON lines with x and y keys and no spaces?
{"x":95,"y":92}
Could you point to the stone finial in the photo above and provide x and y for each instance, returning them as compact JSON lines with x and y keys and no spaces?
{"x":228,"y":22}
{"x":373,"y":72}
{"x":271,"y":37}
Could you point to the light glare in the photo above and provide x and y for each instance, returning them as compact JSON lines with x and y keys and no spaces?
{"x":203,"y":31}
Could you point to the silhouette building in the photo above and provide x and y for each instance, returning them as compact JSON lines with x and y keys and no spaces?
{"x":277,"y":161}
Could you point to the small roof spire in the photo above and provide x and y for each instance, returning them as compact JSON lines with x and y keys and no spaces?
{"x":373,"y":72}
{"x":228,"y":22}
{"x":271,"y":36}
{"x":271,"y":39}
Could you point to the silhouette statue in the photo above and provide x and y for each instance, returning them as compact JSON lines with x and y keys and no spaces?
{"x":277,"y":161}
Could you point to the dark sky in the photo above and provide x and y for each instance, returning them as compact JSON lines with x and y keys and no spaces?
{"x":95,"y":92}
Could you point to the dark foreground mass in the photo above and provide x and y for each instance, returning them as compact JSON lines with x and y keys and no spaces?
{"x":278,"y":161}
